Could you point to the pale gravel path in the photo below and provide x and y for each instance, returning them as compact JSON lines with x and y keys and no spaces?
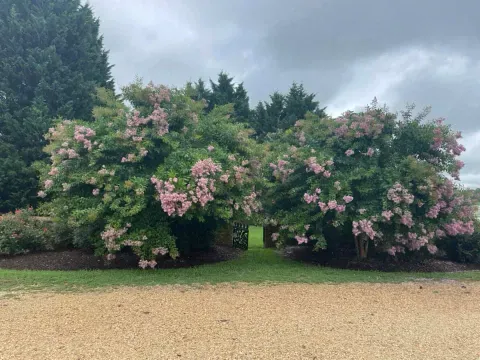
{"x":350,"y":321}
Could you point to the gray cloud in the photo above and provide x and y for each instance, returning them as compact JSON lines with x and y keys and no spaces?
{"x":346,"y":51}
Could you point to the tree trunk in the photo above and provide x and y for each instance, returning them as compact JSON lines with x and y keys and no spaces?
{"x":268,"y":230}
{"x":361,"y":245}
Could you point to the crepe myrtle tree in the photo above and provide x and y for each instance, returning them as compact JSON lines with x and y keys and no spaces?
{"x":136,"y":171}
{"x":384,"y":179}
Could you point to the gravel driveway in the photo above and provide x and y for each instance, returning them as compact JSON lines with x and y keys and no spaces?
{"x":295,"y":321}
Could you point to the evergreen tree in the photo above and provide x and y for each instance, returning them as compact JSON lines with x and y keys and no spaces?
{"x":240,"y":104}
{"x":223,"y":92}
{"x":51,"y":60}
{"x":201,"y":91}
{"x":284,"y":110}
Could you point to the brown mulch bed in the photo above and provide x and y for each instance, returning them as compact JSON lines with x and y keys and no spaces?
{"x":305,"y":254}
{"x":85,"y":260}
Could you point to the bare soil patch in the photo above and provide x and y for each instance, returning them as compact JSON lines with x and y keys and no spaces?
{"x":348,"y":261}
{"x":85,"y":260}
{"x":300,"y":321}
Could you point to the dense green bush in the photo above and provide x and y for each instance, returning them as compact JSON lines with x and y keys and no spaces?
{"x":21,"y":232}
{"x":379,"y":179}
{"x":156,"y":177}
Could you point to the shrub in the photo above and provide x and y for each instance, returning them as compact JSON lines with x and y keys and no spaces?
{"x":156,"y":177}
{"x":371,"y":175}
{"x":20,"y":233}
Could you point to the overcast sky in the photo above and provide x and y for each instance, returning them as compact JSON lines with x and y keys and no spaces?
{"x":425,"y":52}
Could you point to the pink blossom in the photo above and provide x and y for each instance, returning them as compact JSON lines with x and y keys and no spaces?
{"x":349,"y":152}
{"x":301,"y":239}
{"x":210,"y":148}
{"x":306,"y":227}
{"x":340,"y":208}
{"x":323,"y":206}
{"x":48,"y":184}
{"x":347,"y":199}
{"x":224,"y":178}
{"x":41,"y":194}
{"x":432,"y":249}
{"x":329,"y":162}
{"x":370,"y":152}
{"x":204,"y":168}
{"x":332,"y":204}
{"x":231,"y":157}
{"x":362,"y":211}
{"x":275,"y":236}
{"x":310,"y":198}
{"x":72,"y":154}
{"x":95,"y":192}
{"x":327,"y":174}
{"x":318,"y":191}
{"x":387,"y":214}
{"x":160,"y":250}
{"x":399,"y":194}
{"x":406,"y":219}
{"x":363,"y":227}
{"x":312,"y":165}
{"x":53,"y":171}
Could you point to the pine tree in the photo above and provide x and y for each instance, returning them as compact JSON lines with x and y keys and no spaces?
{"x":283,"y":110}
{"x":223,"y":92}
{"x":51,"y":61}
{"x":241,"y":104}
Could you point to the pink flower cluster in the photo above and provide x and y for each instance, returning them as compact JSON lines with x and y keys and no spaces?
{"x":54,"y":171}
{"x":349,"y":152}
{"x":145,"y":263}
{"x":448,"y":142}
{"x":354,"y":125}
{"x":161,"y":93}
{"x":301,"y":137}
{"x":160,"y":250}
{"x":110,"y":235}
{"x":301,"y":239}
{"x":158,"y":117}
{"x":71,"y":153}
{"x":458,"y":227}
{"x":250,"y":203}
{"x":48,"y":184}
{"x":129,"y":158}
{"x":364,"y":226}
{"x":240,"y":173}
{"x":280,"y":171}
{"x":275,"y":236}
{"x":398,"y":194}
{"x":205,"y":168}
{"x":312,"y":165}
{"x":81,"y":135}
{"x":173,"y":203}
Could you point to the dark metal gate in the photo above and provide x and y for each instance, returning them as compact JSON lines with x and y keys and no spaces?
{"x":240,"y":236}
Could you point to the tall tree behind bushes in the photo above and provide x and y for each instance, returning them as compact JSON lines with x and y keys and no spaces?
{"x":51,"y":60}
{"x":279,"y":113}
{"x":282,"y":111}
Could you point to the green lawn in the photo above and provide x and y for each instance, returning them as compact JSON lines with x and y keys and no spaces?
{"x":255,"y":266}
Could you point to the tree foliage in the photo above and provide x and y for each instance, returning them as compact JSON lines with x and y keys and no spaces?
{"x":370,"y":177}
{"x":282,"y":111}
{"x":51,"y":60}
{"x":140,"y":177}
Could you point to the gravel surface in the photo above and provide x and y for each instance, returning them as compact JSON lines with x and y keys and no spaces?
{"x":421,"y":320}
